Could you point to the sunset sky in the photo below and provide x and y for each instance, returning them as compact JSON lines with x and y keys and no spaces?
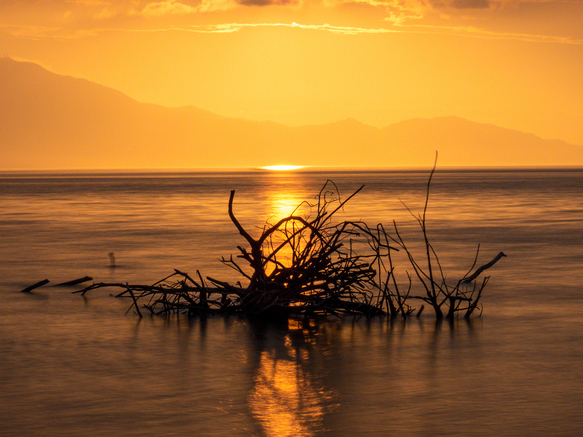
{"x":516,"y":63}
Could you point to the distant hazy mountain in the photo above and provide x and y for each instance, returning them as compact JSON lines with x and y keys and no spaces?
{"x":48,"y":121}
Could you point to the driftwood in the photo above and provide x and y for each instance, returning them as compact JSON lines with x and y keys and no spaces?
{"x":447,"y":300}
{"x":308,"y":265}
{"x":62,"y":284}
{"x":299,"y":265}
{"x":33,"y":286}
{"x":74,"y":282}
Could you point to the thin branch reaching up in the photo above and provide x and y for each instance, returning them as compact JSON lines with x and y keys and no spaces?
{"x":482,"y":268}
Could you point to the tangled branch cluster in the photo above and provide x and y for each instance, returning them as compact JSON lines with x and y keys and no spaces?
{"x":309,"y":266}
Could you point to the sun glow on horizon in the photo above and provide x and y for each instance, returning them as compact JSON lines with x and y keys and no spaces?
{"x":282,"y":167}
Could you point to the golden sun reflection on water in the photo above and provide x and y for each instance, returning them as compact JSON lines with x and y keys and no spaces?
{"x":283,"y":204}
{"x":285,"y":400}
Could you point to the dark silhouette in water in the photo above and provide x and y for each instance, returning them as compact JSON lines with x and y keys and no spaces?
{"x":112,"y":260}
{"x":324,"y":275}
{"x":482,"y":268}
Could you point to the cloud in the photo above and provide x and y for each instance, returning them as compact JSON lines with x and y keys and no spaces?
{"x":269,"y":2}
{"x":39,"y":32}
{"x":447,"y":17}
{"x":31,"y":31}
{"x":169,"y":7}
{"x":174,"y":7}
{"x":235,"y":27}
{"x":89,"y":2}
{"x":105,"y":14}
{"x":471,"y":4}
{"x":216,"y":5}
{"x":475,"y":32}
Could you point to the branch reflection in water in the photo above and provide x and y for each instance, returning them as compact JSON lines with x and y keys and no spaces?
{"x":287,"y":399}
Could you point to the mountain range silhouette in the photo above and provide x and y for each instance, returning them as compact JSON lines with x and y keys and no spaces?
{"x":50,"y":121}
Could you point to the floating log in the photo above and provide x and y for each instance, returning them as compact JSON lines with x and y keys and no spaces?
{"x":33,"y":286}
{"x":74,"y":282}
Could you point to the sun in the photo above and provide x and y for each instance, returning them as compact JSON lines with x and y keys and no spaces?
{"x":282,"y":167}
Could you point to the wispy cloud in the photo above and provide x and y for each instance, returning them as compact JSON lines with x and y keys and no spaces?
{"x":270,"y":2}
{"x":38,"y":32}
{"x":170,"y":7}
{"x":105,"y":14}
{"x":175,"y":7}
{"x":31,"y":31}
{"x":89,"y":2}
{"x":384,"y":17}
{"x":475,"y":32}
{"x":471,"y":4}
{"x":235,"y":27}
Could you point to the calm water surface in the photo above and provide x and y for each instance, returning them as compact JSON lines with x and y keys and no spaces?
{"x":74,"y":366}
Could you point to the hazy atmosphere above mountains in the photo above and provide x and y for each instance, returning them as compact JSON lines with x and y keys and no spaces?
{"x":247,"y":83}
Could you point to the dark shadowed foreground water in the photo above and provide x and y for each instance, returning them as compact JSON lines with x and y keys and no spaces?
{"x":73,"y":366}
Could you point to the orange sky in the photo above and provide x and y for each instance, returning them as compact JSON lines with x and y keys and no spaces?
{"x":516,"y":64}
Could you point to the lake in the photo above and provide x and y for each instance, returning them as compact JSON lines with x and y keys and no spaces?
{"x":72,"y":365}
